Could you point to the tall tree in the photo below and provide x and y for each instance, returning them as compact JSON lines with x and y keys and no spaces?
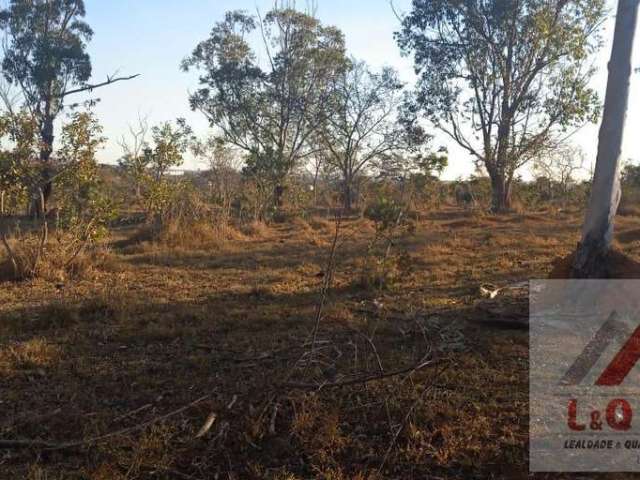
{"x":597,"y":233}
{"x":361,"y":125}
{"x":503,"y":78}
{"x":45,"y":56}
{"x":270,"y":113}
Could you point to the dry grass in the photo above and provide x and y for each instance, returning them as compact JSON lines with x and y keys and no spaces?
{"x":255,"y":229}
{"x":177,"y":235}
{"x":30,"y":355}
{"x":62,"y":257}
{"x":154,"y":332}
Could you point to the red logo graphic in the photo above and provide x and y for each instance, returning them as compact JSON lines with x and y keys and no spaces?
{"x":624,"y":361}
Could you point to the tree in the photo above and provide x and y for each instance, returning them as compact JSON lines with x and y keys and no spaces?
{"x":223,"y":177}
{"x":46,"y":58}
{"x":18,"y":149}
{"x":269,"y":113}
{"x":170,"y":144}
{"x":597,"y":233}
{"x":503,"y":78}
{"x":83,"y":207}
{"x":135,"y":158}
{"x":631,"y":175}
{"x":362,"y":123}
{"x":82,"y":202}
{"x":560,"y":166}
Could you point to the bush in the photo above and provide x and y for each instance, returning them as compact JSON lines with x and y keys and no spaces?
{"x":381,"y":267}
{"x":57,"y":258}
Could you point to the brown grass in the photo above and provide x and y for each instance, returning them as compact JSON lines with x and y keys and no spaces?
{"x":255,"y":229}
{"x":175,"y":236}
{"x":61,"y":258}
{"x":155,"y":331}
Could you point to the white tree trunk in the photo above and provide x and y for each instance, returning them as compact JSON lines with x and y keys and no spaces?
{"x":597,"y":233}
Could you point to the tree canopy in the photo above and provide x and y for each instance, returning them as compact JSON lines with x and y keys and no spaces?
{"x":362,"y":125}
{"x":46,"y":58}
{"x":46,"y":55}
{"x":268,"y":111}
{"x":503,"y":78}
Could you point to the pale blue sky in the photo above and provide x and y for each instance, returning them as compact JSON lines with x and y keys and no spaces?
{"x":151,"y":37}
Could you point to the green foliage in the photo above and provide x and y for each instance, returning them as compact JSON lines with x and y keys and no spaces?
{"x":18,"y":149}
{"x":170,"y":144}
{"x":82,"y":200}
{"x":46,"y":50}
{"x":384,"y":212}
{"x":381,"y":266}
{"x":269,"y":113}
{"x":161,"y":194}
{"x":432,"y":164}
{"x":45,"y":57}
{"x":503,"y":79}
{"x":631,"y":176}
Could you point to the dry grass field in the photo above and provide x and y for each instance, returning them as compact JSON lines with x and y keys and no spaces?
{"x":118,"y":374}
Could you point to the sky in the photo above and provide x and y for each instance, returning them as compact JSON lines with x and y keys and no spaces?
{"x":151,"y":37}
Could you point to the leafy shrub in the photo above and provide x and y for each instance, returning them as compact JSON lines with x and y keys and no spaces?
{"x":381,"y":268}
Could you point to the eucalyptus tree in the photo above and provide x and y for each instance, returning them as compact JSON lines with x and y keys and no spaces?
{"x":597,"y":233}
{"x":45,"y":57}
{"x":269,"y":110}
{"x":362,"y":124}
{"x":503,"y":78}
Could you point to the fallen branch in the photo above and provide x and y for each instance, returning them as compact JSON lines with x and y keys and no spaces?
{"x":52,"y":446}
{"x":491,"y":292}
{"x":207,"y":425}
{"x":357,"y":381}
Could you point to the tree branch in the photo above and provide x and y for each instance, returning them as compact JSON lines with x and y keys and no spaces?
{"x":90,"y":88}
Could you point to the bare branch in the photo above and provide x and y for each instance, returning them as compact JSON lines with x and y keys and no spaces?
{"x":90,"y":88}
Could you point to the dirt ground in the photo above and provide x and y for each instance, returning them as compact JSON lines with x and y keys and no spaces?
{"x":119,"y":374}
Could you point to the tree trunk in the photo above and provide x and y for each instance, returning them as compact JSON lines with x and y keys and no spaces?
{"x":47,"y":137}
{"x":500,"y":193}
{"x":597,"y":233}
{"x":347,"y":194}
{"x":2,"y":194}
{"x":315,"y":187}
{"x":278,"y":192}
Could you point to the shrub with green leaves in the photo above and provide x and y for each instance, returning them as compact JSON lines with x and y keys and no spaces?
{"x":18,"y":149}
{"x":381,"y":268}
{"x":82,"y":200}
